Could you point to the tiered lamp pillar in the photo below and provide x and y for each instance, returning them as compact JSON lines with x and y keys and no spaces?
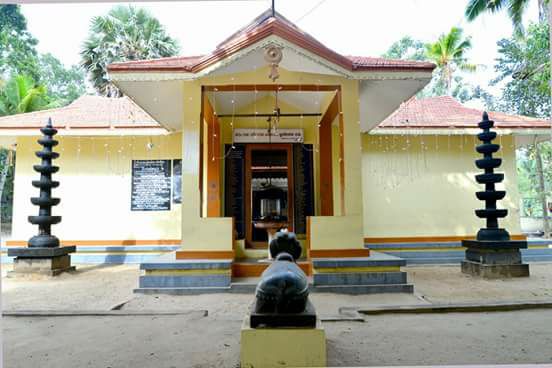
{"x":492,"y":254}
{"x":43,"y":255}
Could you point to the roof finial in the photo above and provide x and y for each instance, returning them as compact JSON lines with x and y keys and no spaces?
{"x":273,"y":9}
{"x":485,"y":116}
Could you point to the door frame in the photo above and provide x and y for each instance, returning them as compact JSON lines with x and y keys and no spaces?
{"x":249,"y":243}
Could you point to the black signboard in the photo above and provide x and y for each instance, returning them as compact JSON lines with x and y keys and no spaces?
{"x":151,"y":185}
{"x":303,"y":185}
{"x":234,"y":194}
{"x":177,"y":181}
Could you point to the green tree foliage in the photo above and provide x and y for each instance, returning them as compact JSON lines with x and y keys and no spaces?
{"x":406,"y":49}
{"x":7,"y":171}
{"x":17,"y":46}
{"x":528,"y":177}
{"x":10,"y":15}
{"x":524,"y":66}
{"x":18,"y":57}
{"x":515,"y":9}
{"x":449,"y":54}
{"x":125,"y":33}
{"x":21,"y":94}
{"x":64,"y":84}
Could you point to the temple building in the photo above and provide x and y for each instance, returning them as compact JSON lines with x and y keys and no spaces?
{"x":207,"y":156}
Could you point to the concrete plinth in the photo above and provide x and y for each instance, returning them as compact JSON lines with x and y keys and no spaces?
{"x":282,"y":347}
{"x":495,"y":271}
{"x":494,"y":259}
{"x":41,"y":261}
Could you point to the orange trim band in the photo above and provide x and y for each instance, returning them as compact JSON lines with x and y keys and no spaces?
{"x":205,"y":254}
{"x":429,"y":239}
{"x":339,"y":253}
{"x":15,"y":243}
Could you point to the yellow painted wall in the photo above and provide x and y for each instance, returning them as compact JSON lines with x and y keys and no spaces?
{"x":425,"y":186}
{"x":266,"y":104}
{"x":95,"y":188}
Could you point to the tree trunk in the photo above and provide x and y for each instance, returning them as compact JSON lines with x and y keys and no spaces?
{"x":448,"y":79}
{"x":542,"y":189}
{"x":544,"y":11}
{"x":3,"y":177}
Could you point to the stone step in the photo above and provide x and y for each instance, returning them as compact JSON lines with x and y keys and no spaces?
{"x":250,"y":289}
{"x":364,"y":289}
{"x":176,"y":281}
{"x":376,"y":259}
{"x":359,"y":278}
{"x":182,"y":291}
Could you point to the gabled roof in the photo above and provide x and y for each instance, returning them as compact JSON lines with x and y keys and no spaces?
{"x":86,"y":112}
{"x":446,"y":112}
{"x":261,"y":27}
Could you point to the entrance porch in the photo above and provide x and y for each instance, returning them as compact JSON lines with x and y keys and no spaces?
{"x":273,"y":157}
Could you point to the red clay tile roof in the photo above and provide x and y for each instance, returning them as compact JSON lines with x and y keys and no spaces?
{"x":261,"y":27}
{"x":366,"y":62}
{"x":178,"y":63}
{"x":85,"y":112}
{"x":446,"y":112}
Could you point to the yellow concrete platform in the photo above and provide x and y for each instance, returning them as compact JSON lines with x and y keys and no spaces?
{"x":282,"y":347}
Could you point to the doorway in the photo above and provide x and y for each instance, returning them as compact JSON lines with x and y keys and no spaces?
{"x":269,"y":192}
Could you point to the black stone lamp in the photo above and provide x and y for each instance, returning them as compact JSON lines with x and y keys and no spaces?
{"x":492,"y":254}
{"x":43,"y":255}
{"x":45,"y":220}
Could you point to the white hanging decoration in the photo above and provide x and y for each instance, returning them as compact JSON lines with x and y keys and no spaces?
{"x":273,"y":55}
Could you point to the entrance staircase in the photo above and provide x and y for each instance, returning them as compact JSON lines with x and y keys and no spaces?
{"x":379,"y":273}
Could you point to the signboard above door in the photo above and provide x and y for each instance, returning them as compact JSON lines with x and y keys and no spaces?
{"x":244,"y":135}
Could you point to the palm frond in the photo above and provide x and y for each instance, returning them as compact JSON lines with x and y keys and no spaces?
{"x":125,"y":33}
{"x":516,"y":8}
{"x":477,"y":7}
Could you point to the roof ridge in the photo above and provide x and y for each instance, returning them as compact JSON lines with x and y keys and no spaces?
{"x":158,"y":59}
{"x":264,"y":25}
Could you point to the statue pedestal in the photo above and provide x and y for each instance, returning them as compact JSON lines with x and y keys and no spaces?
{"x":494,"y":259}
{"x":41,"y":261}
{"x":282,"y":346}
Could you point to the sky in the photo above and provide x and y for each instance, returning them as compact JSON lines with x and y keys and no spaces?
{"x":350,"y":27}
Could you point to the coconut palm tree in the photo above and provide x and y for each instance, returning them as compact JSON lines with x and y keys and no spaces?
{"x":20,"y":94}
{"x":125,"y":33}
{"x":449,"y":54}
{"x":515,"y":9}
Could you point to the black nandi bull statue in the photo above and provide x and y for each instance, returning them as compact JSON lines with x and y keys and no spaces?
{"x":282,"y":294}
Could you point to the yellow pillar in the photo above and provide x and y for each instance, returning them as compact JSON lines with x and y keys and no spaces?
{"x":210,"y":237}
{"x":343,"y":235}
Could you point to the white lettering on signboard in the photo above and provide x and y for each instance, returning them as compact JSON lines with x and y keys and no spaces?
{"x":244,"y":135}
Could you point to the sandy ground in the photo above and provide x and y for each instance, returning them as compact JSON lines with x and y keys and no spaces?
{"x":446,"y":284}
{"x":90,"y":287}
{"x":194,"y":340}
{"x":103,"y":287}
